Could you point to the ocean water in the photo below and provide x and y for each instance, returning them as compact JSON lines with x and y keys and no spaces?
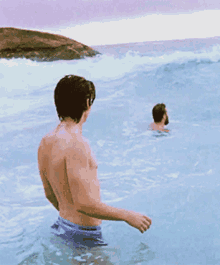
{"x":171,"y":177}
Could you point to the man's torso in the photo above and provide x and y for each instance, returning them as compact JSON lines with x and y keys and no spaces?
{"x":55,"y":146}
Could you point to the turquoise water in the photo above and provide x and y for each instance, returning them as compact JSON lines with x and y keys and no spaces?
{"x":171,"y":177}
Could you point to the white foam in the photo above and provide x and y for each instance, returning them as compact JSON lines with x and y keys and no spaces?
{"x":173,"y":175}
{"x":31,"y":76}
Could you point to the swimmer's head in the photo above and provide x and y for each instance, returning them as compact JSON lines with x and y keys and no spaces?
{"x":71,"y":96}
{"x":159,"y":113}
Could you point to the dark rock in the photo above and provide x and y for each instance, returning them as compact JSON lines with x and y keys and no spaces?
{"x":40,"y":46}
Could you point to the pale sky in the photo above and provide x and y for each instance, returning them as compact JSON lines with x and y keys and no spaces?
{"x":200,"y":24}
{"x":97,"y":22}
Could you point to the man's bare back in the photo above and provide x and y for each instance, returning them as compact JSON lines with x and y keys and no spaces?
{"x":68,"y":168}
{"x":56,"y":148}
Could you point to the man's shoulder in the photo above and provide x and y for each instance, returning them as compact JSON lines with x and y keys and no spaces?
{"x":42,"y":143}
{"x":152,"y":126}
{"x":70,"y":144}
{"x":78,"y":152}
{"x":78,"y":144}
{"x":45,"y":140}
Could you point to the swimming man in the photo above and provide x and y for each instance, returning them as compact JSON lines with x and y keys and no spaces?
{"x":68,"y":170}
{"x":160,"y":117}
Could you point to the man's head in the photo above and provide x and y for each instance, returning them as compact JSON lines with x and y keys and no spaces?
{"x":159,"y":113}
{"x":71,"y":96}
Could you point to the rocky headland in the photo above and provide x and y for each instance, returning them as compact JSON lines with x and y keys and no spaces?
{"x":40,"y":46}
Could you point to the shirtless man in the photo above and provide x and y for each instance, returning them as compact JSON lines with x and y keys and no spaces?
{"x":160,"y":117}
{"x":68,"y":170}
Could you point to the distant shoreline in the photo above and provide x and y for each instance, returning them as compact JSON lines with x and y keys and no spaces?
{"x":217,"y":38}
{"x":160,"y":46}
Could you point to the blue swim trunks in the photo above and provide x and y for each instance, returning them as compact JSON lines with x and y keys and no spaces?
{"x":79,"y":236}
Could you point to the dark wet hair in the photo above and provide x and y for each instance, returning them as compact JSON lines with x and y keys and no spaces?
{"x":158,"y":112}
{"x":70,"y":96}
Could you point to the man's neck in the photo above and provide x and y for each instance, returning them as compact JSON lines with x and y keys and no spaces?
{"x":72,"y":126}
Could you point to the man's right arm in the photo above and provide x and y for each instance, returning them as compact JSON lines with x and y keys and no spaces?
{"x":86,"y":185}
{"x":103,"y":211}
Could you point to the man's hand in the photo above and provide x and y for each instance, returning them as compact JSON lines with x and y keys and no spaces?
{"x":139,"y":221}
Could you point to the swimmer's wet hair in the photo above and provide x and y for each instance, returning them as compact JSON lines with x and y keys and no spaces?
{"x":70,"y":96}
{"x":158,"y":112}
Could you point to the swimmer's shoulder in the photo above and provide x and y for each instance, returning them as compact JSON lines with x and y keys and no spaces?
{"x":78,"y":151}
{"x":151,"y":125}
{"x":62,"y":140}
{"x":47,"y":138}
{"x":45,"y":145}
{"x":52,"y":140}
{"x":81,"y":145}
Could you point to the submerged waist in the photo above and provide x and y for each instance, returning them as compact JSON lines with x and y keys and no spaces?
{"x":78,"y":235}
